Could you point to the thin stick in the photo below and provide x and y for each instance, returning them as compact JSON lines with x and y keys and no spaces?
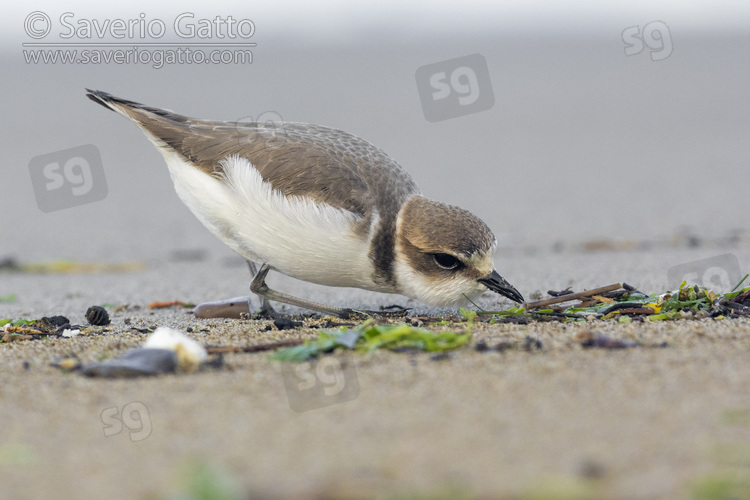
{"x":221,"y":349}
{"x":572,"y":296}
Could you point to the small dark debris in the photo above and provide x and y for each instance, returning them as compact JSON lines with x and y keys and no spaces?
{"x":743,"y":298}
{"x":560,"y":293}
{"x":188,"y":255}
{"x":334,"y":324}
{"x":532,"y":344}
{"x":738,"y":308}
{"x":637,"y":310}
{"x":433,"y":319}
{"x":55,"y":321}
{"x":443,"y":356}
{"x":394,"y":307}
{"x":9,"y":264}
{"x":604,"y":342}
{"x":97,"y":316}
{"x":26,"y":365}
{"x":621,"y":305}
{"x":215,"y":363}
{"x":407,"y":350}
{"x":504,"y":346}
{"x":629,"y":288}
{"x":516,"y":320}
{"x":481,"y":346}
{"x":267,"y":328}
{"x":592,"y":470}
{"x":189,"y":329}
{"x":554,"y":316}
{"x":286,"y":323}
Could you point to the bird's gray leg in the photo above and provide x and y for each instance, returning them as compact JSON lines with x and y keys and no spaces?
{"x":260,"y":288}
{"x":265,"y":305}
{"x":236,"y":307}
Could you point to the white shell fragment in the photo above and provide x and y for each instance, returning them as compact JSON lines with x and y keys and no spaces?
{"x":190,"y":354}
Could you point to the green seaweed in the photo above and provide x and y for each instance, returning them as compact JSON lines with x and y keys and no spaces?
{"x":368,"y":337}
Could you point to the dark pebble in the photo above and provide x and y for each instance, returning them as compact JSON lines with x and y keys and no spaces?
{"x":481,"y":346}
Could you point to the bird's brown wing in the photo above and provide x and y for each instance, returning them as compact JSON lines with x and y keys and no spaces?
{"x":297,"y":159}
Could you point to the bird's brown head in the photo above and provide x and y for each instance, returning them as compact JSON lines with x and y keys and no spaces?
{"x":444,"y":254}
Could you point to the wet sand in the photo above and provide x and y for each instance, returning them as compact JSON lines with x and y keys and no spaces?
{"x":645,"y":422}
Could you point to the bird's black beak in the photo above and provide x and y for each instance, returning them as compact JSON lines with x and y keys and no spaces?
{"x":497,"y":283}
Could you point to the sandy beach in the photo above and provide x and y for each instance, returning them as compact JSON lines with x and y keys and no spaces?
{"x":592,"y":167}
{"x":646,"y":422}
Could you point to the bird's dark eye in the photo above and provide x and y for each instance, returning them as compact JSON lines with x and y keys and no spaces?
{"x":446,"y":261}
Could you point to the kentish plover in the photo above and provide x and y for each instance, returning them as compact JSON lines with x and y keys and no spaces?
{"x":320,"y":205}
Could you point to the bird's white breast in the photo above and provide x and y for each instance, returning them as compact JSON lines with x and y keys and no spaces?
{"x":295,"y":235}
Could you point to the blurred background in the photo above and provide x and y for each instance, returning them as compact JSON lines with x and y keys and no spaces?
{"x":611,"y":126}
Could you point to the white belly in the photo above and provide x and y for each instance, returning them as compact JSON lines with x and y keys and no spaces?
{"x":294,"y":235}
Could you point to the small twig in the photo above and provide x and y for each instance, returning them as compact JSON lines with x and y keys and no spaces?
{"x":621,"y":305}
{"x":222,"y":349}
{"x":557,"y":315}
{"x":572,"y":296}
